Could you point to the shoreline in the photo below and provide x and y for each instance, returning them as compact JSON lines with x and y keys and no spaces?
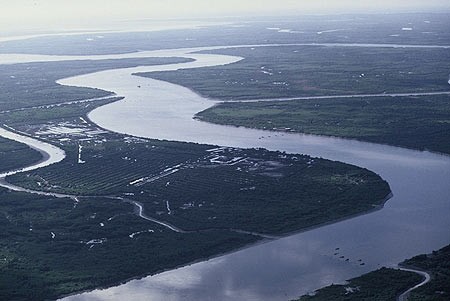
{"x":43,"y":147}
{"x":199,"y":118}
{"x":408,"y":268}
{"x":259,"y":242}
{"x":253,"y":244}
{"x":262,"y":240}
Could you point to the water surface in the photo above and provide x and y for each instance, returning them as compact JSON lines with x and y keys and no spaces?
{"x":414,"y":221}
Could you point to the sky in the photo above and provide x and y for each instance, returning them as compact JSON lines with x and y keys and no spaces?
{"x":67,"y":14}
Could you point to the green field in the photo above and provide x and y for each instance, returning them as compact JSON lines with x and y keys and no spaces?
{"x":414,"y":122}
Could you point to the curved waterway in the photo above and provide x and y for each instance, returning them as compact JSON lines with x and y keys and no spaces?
{"x":50,"y":155}
{"x":414,"y":221}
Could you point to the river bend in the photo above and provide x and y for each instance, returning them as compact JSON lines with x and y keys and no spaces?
{"x":414,"y":221}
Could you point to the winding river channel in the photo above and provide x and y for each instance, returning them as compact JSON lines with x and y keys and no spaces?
{"x":414,"y":221}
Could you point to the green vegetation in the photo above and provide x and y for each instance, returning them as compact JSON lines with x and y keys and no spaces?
{"x":386,"y":28}
{"x":275,"y":72}
{"x":51,"y":247}
{"x":33,"y":84}
{"x":412,"y":122}
{"x":14,"y":155}
{"x":252,"y":190}
{"x":294,"y":71}
{"x":438,"y":265}
{"x":388,"y":284}
{"x":77,"y":246}
{"x":383,"y":284}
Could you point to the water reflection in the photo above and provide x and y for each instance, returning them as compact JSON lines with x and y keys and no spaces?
{"x":414,"y":221}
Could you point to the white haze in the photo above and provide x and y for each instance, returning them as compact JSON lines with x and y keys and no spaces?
{"x":17,"y":15}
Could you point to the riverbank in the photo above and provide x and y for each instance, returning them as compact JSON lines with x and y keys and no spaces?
{"x":50,"y":153}
{"x":408,"y":281}
{"x":395,"y":164}
{"x":411,"y":122}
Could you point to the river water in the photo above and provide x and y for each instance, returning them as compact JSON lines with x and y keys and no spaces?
{"x":414,"y":221}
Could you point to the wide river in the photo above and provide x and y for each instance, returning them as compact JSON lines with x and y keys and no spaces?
{"x":414,"y":221}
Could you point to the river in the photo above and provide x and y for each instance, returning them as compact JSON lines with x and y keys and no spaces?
{"x":414,"y":221}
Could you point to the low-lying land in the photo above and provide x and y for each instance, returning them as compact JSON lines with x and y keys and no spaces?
{"x":438,"y":265}
{"x":414,"y":122}
{"x":388,"y":283}
{"x":14,"y":155}
{"x":196,"y":187}
{"x":33,"y":84}
{"x":52,"y":247}
{"x":420,"y":122}
{"x":294,"y":71}
{"x":425,"y":29}
{"x":383,"y":284}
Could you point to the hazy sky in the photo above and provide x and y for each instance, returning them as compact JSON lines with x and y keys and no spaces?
{"x":39,"y":14}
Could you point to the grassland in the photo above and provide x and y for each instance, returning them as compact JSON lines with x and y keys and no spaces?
{"x":388,"y":284}
{"x":414,"y":122}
